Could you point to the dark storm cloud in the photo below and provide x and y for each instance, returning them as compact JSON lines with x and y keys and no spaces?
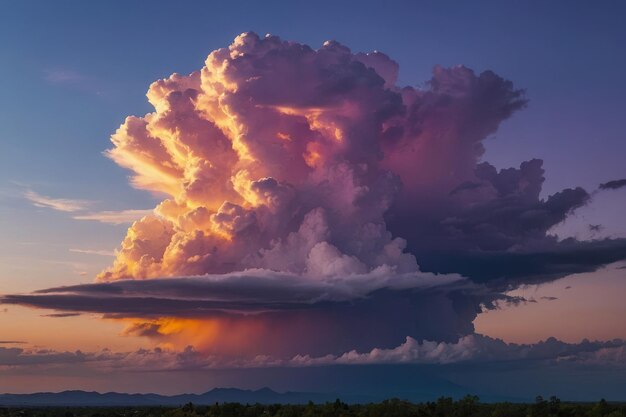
{"x":253,"y":290}
{"x":498,"y":233}
{"x":507,"y":269}
{"x":351,"y":312}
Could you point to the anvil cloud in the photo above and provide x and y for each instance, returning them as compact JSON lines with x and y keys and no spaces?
{"x":309,"y":186}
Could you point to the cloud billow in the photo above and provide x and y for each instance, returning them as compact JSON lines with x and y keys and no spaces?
{"x":472,"y":349}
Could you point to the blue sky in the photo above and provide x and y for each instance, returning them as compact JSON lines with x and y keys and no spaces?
{"x":567,"y":56}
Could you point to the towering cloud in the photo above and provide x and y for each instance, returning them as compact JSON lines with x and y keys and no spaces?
{"x":272,"y":157}
{"x":279,"y":156}
{"x":312,"y":172}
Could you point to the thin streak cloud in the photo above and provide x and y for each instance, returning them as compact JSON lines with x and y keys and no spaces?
{"x":94,"y":252}
{"x":58,"y":204}
{"x":115,"y":217}
{"x":81,"y":207}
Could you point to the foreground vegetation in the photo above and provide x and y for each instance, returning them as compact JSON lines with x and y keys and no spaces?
{"x":444,"y":407}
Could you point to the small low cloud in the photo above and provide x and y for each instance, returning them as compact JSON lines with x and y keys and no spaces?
{"x":478,"y":348}
{"x":61,"y":315}
{"x":139,"y":360}
{"x":474,"y":348}
{"x":613,"y":185}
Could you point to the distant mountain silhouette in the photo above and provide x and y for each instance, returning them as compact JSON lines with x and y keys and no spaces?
{"x":84,"y":398}
{"x":407,"y":385}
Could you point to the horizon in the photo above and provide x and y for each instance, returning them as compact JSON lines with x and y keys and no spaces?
{"x":55,"y":399}
{"x":426,"y":196}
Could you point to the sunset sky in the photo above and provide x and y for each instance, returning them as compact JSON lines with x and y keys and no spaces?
{"x":293,"y":194}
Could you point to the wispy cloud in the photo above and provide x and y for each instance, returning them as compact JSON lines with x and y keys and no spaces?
{"x":114,"y":217}
{"x":59,"y":204}
{"x":64,"y":76}
{"x":80,"y":207}
{"x":100,"y":252}
{"x":76,"y":80}
{"x":61,"y":315}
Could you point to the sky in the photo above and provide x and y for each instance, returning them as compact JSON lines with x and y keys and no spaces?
{"x":198,"y":195}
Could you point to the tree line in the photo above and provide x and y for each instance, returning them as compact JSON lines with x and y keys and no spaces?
{"x":469,"y":406}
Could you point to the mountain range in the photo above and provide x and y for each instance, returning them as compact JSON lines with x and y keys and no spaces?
{"x":84,"y":398}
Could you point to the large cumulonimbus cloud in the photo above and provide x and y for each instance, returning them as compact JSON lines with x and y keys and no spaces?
{"x":312,"y":168}
{"x":282,"y":157}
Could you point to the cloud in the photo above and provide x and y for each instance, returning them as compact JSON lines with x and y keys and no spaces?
{"x":105,"y":360}
{"x":613,"y":185}
{"x":472,"y":349}
{"x":293,"y":172}
{"x":549,"y":261}
{"x":595,"y":228}
{"x":59,"y":204}
{"x":478,"y":348}
{"x":69,"y":78}
{"x":61,"y":315}
{"x":64,"y":77}
{"x":242,"y":292}
{"x":22,"y":357}
{"x":281,"y":313}
{"x":325,"y":207}
{"x":314,"y":161}
{"x":114,"y":217}
{"x":98,"y":252}
{"x":75,"y":206}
